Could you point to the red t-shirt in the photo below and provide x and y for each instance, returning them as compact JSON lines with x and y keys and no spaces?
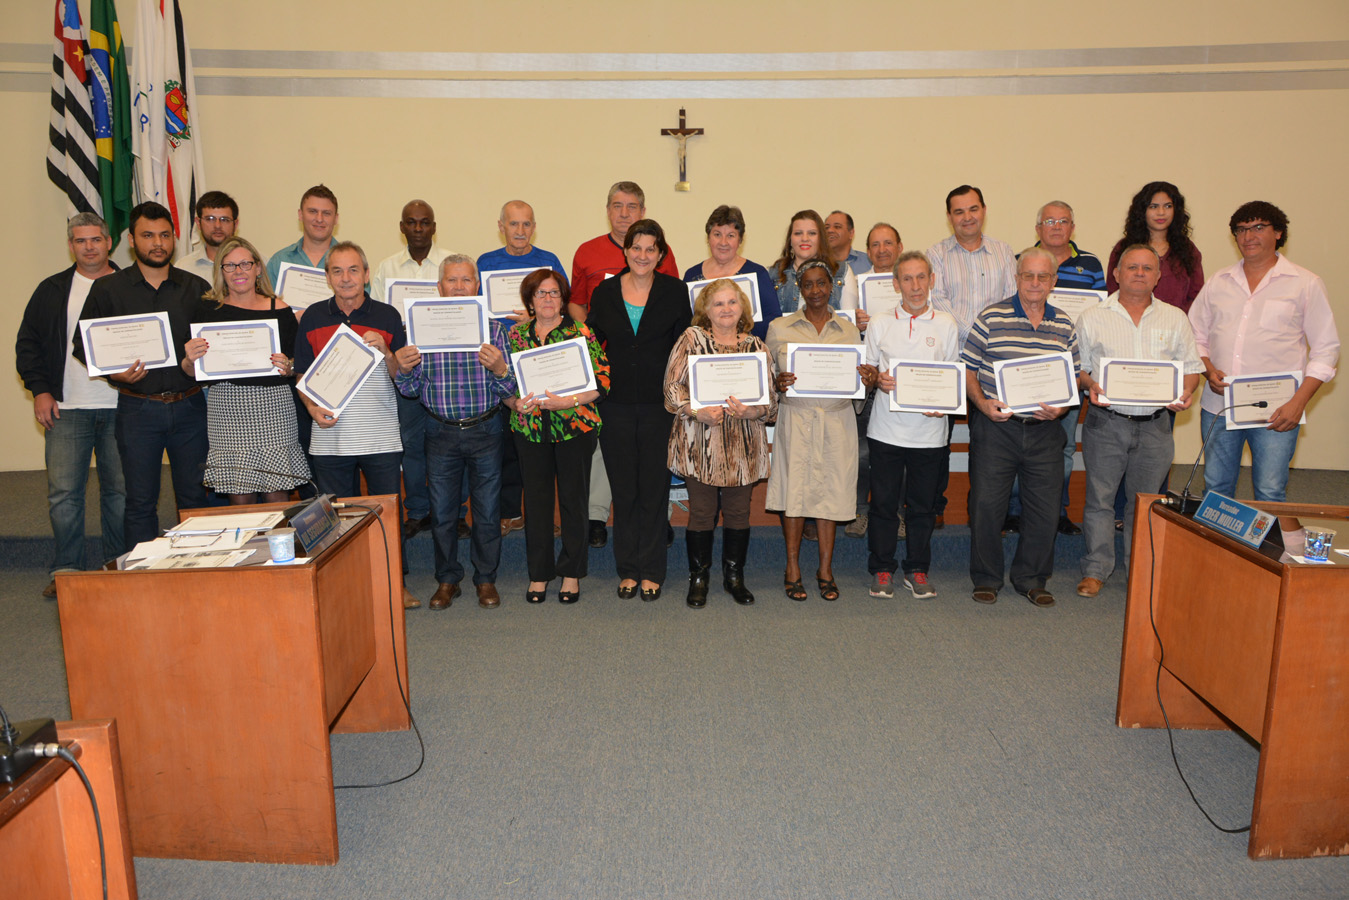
{"x":600,"y":258}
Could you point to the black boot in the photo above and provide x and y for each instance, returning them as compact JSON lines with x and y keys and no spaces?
{"x":700,"y":561}
{"x":734,"y":546}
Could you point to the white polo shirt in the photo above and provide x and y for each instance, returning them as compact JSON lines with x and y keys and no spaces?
{"x":930,"y":335}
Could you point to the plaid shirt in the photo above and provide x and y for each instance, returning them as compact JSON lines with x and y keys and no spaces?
{"x":455,"y":385}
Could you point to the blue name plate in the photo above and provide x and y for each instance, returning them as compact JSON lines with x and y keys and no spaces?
{"x":1234,"y":519}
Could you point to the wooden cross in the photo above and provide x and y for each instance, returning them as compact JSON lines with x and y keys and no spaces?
{"x":682,"y":134}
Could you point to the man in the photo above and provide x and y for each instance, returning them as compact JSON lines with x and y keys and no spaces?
{"x":1127,"y":444}
{"x":839,"y":233}
{"x":161,"y":409}
{"x":460,"y":393}
{"x":970,"y":271}
{"x":1004,"y":445}
{"x":516,"y":226}
{"x":364,"y":441}
{"x":318,"y":221}
{"x":77,"y":412}
{"x":421,"y":260}
{"x":906,"y":446}
{"x":1264,"y":314}
{"x":596,"y":260}
{"x":884,"y":247}
{"x":217,"y":221}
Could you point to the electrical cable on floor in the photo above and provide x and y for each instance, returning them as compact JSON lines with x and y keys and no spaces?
{"x":1161,"y":655}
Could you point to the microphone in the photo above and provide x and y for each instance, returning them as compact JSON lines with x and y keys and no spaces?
{"x":1186,"y":503}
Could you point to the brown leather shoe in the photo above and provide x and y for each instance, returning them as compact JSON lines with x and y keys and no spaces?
{"x":488,"y":598}
{"x":444,"y":596}
{"x":409,"y":601}
{"x":509,"y":525}
{"x":1089,"y":587}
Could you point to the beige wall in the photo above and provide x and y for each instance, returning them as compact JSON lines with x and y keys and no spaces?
{"x":883,"y":135}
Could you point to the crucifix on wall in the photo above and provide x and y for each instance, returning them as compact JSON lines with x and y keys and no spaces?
{"x":682,"y":134}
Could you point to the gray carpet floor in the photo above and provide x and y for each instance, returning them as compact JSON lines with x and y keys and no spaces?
{"x":864,"y":748}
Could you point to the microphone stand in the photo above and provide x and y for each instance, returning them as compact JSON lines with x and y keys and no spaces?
{"x":1184,"y":502}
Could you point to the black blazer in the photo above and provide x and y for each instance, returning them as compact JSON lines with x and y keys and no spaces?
{"x":41,"y":347}
{"x":637,"y":361}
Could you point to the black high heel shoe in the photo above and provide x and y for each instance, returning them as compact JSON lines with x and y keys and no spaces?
{"x":536,"y":596}
{"x":569,"y":596}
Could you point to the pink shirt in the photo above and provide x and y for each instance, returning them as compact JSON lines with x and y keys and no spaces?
{"x":1285,"y":325}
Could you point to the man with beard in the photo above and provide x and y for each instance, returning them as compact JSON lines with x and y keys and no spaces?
{"x":217,"y":221}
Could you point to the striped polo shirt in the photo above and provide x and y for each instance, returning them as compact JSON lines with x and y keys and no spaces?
{"x":1002,"y":331}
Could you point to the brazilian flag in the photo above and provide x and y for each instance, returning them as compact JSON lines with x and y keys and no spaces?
{"x":111,"y":96}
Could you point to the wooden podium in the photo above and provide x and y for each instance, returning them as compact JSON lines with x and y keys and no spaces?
{"x":225,"y":684}
{"x":1254,"y":643}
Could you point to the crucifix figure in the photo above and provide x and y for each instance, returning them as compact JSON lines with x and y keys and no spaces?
{"x":682,"y":134}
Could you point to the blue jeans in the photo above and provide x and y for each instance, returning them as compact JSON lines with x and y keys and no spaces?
{"x":73,"y":437}
{"x":412,"y":419}
{"x":1271,"y":454}
{"x":341,"y":475}
{"x":145,"y":430}
{"x":454,"y":455}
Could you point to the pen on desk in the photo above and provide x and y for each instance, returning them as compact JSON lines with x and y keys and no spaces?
{"x":236,"y":535}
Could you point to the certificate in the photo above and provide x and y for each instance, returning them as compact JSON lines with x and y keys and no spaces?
{"x":563,"y":368}
{"x":876,"y":293}
{"x":342,"y":366}
{"x":1024,"y":383}
{"x":1073,"y":301}
{"x":302,"y":286}
{"x":748,"y":283}
{"x":849,"y":314}
{"x":1275,"y":388}
{"x":1140,"y":382}
{"x":716,"y":376}
{"x":113,"y":344}
{"x":925,"y":385}
{"x":825,"y":371}
{"x":401,"y":290}
{"x":502,"y":290}
{"x":238,"y":349}
{"x":447,"y":324}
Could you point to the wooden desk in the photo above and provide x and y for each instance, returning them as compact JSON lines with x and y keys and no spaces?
{"x":225,"y":684}
{"x":48,"y":844}
{"x":1250,"y":643}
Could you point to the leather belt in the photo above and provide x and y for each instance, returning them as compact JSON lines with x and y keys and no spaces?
{"x":463,"y":423}
{"x":165,"y":397}
{"x":1029,"y":420}
{"x":1147,"y":418}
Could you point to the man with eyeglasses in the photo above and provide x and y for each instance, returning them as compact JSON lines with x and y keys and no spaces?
{"x":217,"y":221}
{"x":1262,"y":315}
{"x":1006,"y":445}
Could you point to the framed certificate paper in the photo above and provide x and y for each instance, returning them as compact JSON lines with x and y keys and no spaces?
{"x":876,"y":293}
{"x":1275,"y":388}
{"x":748,"y":283}
{"x":825,"y":371}
{"x":302,"y":286}
{"x":563,"y":368}
{"x":1141,"y":382}
{"x":928,"y":386}
{"x":716,"y":376}
{"x":447,"y":324}
{"x":849,"y":314}
{"x":398,"y":292}
{"x":114,"y":343}
{"x":1073,"y":300}
{"x":238,"y":349}
{"x":1024,"y":383}
{"x":340,"y":369}
{"x":502,"y":290}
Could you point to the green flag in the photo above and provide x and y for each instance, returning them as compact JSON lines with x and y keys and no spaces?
{"x":111,"y":96}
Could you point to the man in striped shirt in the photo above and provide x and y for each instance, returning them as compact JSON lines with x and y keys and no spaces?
{"x":1005,"y":445}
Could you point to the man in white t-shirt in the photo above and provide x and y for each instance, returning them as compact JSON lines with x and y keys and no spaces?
{"x":906,"y":449}
{"x":78,"y":413}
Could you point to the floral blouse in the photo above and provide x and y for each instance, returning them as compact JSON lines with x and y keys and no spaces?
{"x":551,"y":426}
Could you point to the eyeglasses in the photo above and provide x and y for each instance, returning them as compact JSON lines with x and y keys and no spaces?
{"x":1257,"y":228}
{"x":230,"y":268}
{"x":1050,"y":223}
{"x":553,"y":294}
{"x":212,"y":220}
{"x":1036,"y":276}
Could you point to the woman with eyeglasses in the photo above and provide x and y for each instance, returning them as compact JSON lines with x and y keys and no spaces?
{"x":255,"y":454}
{"x":637,"y":316}
{"x":1157,"y":217}
{"x":555,"y":438}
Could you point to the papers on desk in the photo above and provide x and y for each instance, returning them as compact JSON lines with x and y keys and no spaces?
{"x":194,"y":560}
{"x":256,"y":521}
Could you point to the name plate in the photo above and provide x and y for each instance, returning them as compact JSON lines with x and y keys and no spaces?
{"x":1234,"y":519}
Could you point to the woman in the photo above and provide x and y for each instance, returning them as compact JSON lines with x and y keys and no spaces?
{"x":814,"y":471}
{"x":255,"y":453}
{"x":805,"y":240}
{"x":1157,"y":217}
{"x":725,"y":232}
{"x":555,"y":439}
{"x":720,"y":452}
{"x":637,"y":316}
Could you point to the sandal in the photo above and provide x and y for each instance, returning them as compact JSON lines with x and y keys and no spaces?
{"x":828,"y":588}
{"x":794,"y":589}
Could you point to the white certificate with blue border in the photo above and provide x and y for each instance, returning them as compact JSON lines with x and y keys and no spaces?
{"x":502,"y":290}
{"x":112,"y":344}
{"x":398,"y":292}
{"x":1140,"y":382}
{"x":748,"y":283}
{"x":238,"y":349}
{"x":563,"y":368}
{"x":302,"y":286}
{"x":447,"y":324}
{"x":825,"y":371}
{"x":1026,"y":382}
{"x":876,"y":293}
{"x":927,"y":385}
{"x":1073,"y":301}
{"x":338,"y":372}
{"x":1274,"y":388}
{"x":715,"y":377}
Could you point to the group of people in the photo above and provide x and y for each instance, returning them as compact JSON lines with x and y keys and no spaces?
{"x":446,"y":428}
